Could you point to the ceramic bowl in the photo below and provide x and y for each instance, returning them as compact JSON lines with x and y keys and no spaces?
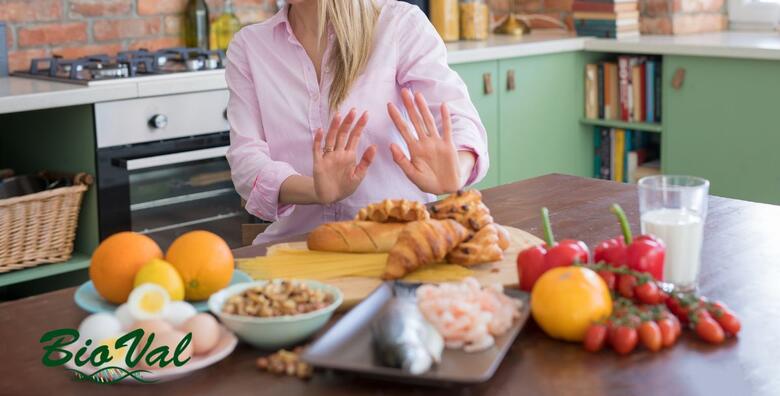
{"x":275,"y":332}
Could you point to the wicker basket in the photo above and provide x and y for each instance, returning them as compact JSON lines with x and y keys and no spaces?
{"x":40,"y":228}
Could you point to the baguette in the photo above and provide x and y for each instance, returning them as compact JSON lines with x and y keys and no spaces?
{"x":354,"y":237}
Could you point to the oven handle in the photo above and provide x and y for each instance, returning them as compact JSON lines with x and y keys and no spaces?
{"x":172,"y":159}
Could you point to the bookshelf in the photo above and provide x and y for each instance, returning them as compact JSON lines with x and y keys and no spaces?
{"x":636,"y":126}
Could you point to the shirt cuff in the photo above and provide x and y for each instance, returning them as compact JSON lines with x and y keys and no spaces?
{"x":476,"y":168}
{"x":264,"y":198}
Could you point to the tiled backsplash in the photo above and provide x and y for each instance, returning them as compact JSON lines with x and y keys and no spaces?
{"x":71,"y":28}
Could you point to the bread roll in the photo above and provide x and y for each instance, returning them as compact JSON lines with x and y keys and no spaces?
{"x":354,"y":237}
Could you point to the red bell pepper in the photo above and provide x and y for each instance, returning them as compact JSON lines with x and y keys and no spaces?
{"x":536,"y":260}
{"x":644,"y":253}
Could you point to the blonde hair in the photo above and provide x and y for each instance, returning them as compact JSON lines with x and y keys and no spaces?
{"x":353,"y":23}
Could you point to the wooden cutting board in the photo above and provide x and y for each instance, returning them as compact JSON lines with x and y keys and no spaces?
{"x":355,"y":289}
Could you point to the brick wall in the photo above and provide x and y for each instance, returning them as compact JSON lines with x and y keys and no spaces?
{"x":72,"y":28}
{"x":657,"y":16}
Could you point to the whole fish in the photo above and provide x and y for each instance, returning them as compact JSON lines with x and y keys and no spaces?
{"x":404,"y":339}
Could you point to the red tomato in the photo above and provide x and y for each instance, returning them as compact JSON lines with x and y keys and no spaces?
{"x":651,"y":336}
{"x":708,"y":329}
{"x":625,"y":285}
{"x":609,"y":278}
{"x":677,"y":326}
{"x":725,"y":318}
{"x":668,"y":334}
{"x":648,"y":293}
{"x":595,"y":337}
{"x":624,"y":339}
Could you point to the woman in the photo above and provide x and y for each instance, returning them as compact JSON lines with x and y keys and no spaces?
{"x":318,"y":59}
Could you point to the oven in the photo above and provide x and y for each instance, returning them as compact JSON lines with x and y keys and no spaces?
{"x":162,"y":169}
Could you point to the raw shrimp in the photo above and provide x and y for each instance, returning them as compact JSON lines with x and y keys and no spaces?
{"x":466,"y":314}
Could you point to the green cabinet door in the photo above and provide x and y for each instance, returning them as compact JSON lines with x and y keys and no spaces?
{"x":539,"y":117}
{"x":723,"y":124}
{"x":480,"y":78}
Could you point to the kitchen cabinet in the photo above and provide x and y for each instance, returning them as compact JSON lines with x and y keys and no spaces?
{"x":480,"y":78}
{"x":541,"y":100}
{"x":531,"y":113}
{"x":722,"y":123}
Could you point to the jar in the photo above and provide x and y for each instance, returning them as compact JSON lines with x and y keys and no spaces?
{"x":444,"y":17}
{"x":474,"y":20}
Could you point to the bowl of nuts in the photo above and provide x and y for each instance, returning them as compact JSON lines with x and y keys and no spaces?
{"x":275,"y":314}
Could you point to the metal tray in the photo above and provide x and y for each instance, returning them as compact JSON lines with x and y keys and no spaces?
{"x":347,"y":346}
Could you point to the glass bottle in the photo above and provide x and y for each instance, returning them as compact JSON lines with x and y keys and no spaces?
{"x":474,"y":20}
{"x":444,"y":17}
{"x":225,"y":26}
{"x":196,"y":24}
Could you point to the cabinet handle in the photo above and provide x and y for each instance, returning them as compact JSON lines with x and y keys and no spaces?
{"x":678,"y":79}
{"x":510,"y":80}
{"x":487,"y":82}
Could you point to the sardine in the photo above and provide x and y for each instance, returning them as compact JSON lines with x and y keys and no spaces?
{"x":404,"y":339}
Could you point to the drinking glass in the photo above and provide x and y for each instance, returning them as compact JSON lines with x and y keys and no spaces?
{"x":674,"y":208}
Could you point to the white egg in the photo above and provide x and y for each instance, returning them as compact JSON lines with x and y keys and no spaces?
{"x":98,"y":327}
{"x":124,"y":316}
{"x":148,"y":301}
{"x":178,"y":312}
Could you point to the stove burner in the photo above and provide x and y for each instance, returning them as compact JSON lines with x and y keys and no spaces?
{"x":125,"y":64}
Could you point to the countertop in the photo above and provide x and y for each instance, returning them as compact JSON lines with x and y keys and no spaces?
{"x":736,"y":269}
{"x":22,"y":94}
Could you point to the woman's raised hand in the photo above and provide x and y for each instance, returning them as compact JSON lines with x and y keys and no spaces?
{"x":337,"y":174}
{"x":433,"y":165}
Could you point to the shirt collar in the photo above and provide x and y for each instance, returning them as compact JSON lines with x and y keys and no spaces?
{"x":281,"y":20}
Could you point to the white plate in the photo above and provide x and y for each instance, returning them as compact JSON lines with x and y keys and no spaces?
{"x":226,"y":344}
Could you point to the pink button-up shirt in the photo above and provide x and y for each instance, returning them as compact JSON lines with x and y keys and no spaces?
{"x":276,"y":104}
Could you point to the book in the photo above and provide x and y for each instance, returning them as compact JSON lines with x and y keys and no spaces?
{"x":591,"y":91}
{"x":650,"y":90}
{"x":600,"y":88}
{"x":618,"y":154}
{"x":624,"y":75}
{"x":612,"y":1}
{"x":608,"y":34}
{"x":611,"y":99}
{"x":591,"y":6}
{"x":636,"y":93}
{"x":657,"y":92}
{"x":631,"y":165}
{"x":597,"y":152}
{"x":633,"y":15}
{"x":647,"y":169}
{"x":605,"y":154}
{"x":625,"y":24}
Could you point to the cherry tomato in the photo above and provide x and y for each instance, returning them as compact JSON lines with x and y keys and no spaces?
{"x":648,"y":293}
{"x":651,"y":336}
{"x":595,"y":337}
{"x":677,"y":308}
{"x":625,"y":285}
{"x":609,"y":278}
{"x":668,"y":334}
{"x":624,"y":340}
{"x":676,"y":325}
{"x":725,"y":318}
{"x":708,"y":329}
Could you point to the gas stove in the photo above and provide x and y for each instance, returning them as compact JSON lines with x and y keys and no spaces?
{"x":95,"y":69}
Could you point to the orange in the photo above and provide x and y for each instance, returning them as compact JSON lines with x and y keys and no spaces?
{"x":116,"y":261}
{"x":565,"y":301}
{"x":204,"y":261}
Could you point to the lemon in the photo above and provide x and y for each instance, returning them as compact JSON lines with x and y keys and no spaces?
{"x":163,"y":274}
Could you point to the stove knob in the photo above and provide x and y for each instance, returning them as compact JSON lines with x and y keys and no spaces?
{"x":158,"y":121}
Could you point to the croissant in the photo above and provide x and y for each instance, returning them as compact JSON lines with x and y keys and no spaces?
{"x":483,"y":247}
{"x":472,"y":215}
{"x":455,"y":202}
{"x":421,"y":243}
{"x":393,"y":210}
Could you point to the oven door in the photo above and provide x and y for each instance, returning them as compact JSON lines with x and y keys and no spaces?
{"x":164,"y":189}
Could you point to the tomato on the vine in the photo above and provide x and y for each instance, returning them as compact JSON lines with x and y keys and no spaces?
{"x":625,"y":285}
{"x":609,"y":278}
{"x":668,"y":334}
{"x":648,"y":293}
{"x":623,"y":339}
{"x":725,"y":318}
{"x":707,"y":328}
{"x":595,"y":337}
{"x":650,"y":334}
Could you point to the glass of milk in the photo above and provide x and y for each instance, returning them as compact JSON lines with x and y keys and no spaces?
{"x":673,"y":208}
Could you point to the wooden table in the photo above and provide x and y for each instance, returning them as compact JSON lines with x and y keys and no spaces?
{"x":741,"y":266}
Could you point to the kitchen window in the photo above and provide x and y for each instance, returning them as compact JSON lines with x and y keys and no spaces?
{"x":754,"y":14}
